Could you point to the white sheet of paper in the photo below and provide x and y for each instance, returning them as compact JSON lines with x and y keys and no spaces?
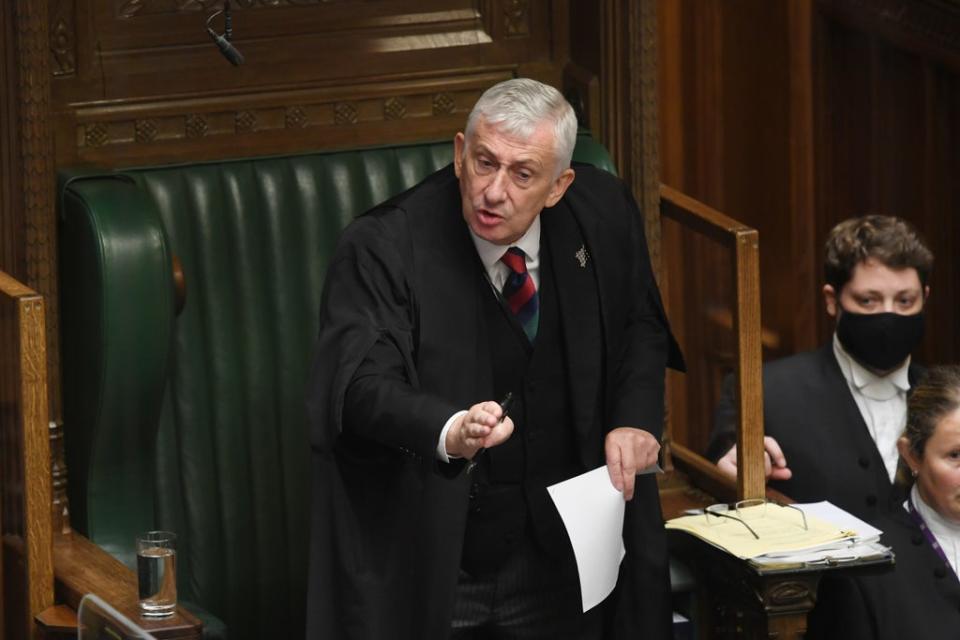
{"x":592,"y":512}
{"x":842,"y":519}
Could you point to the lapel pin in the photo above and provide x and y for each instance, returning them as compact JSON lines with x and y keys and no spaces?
{"x":582,"y":255}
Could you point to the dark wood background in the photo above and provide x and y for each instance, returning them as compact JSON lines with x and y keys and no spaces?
{"x":791,"y":116}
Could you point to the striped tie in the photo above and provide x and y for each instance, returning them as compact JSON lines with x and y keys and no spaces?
{"x":520,"y":292}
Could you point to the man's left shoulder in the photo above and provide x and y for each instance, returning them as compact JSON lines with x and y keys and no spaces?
{"x":599,"y":193}
{"x":590,"y":180}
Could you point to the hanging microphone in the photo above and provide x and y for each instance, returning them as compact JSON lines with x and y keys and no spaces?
{"x":229,"y":51}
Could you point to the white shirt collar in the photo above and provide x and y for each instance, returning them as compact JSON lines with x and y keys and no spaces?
{"x":937,"y":523}
{"x":490,"y":253}
{"x":867,"y":382}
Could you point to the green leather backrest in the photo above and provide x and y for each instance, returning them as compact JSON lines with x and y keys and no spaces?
{"x":196,"y":423}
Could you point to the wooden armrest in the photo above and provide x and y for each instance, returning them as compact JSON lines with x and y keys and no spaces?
{"x":743,"y":242}
{"x":705,"y":475}
{"x":81,"y":567}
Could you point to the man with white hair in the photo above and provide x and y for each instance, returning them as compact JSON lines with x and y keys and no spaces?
{"x":499,"y":277}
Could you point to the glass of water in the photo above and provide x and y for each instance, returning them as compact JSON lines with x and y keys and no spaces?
{"x":157,"y":573}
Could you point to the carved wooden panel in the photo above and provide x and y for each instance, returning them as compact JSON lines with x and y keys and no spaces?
{"x":63,"y":43}
{"x":12,"y":246}
{"x":35,"y":162}
{"x":141,"y":80}
{"x":286,"y":121}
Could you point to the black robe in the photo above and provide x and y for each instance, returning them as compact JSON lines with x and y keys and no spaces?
{"x":401,"y":322}
{"x":809,"y":409}
{"x":920,"y":598}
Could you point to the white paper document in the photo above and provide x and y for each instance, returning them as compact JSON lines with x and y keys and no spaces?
{"x":592,"y":512}
{"x":844,"y":520}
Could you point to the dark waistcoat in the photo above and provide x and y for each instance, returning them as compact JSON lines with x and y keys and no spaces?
{"x":509,"y":490}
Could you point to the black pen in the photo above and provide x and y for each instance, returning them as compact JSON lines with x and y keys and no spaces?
{"x":504,"y":404}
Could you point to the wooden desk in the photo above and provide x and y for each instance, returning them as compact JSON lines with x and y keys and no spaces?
{"x":733,"y":598}
{"x":737,"y":600}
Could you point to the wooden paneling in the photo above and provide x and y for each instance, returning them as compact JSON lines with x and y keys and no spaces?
{"x":929,"y":29}
{"x":27,"y":228}
{"x":806,"y":256}
{"x":791,"y":116}
{"x":25,"y":464}
{"x":726,"y":140}
{"x":888,"y":141}
{"x":146,"y":83}
{"x":276,"y":122}
{"x":12,"y":245}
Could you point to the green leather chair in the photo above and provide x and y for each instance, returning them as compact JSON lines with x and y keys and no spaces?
{"x":195,"y":422}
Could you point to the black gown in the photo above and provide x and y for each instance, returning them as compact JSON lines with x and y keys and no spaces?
{"x":920,"y":598}
{"x":809,"y":409}
{"x":401,"y":298}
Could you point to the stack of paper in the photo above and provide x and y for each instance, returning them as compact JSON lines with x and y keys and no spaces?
{"x":831,"y":535}
{"x":863,"y":542}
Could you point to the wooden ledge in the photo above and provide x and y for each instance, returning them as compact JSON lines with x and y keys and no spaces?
{"x":81,"y":567}
{"x":58,"y":621}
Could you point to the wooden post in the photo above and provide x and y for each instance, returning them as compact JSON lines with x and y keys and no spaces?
{"x":751,"y":478}
{"x":25,"y":486}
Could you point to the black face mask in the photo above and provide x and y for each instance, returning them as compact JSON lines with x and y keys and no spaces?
{"x":880,"y":341}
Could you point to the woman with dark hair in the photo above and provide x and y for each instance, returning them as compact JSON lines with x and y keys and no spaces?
{"x":920,"y":598}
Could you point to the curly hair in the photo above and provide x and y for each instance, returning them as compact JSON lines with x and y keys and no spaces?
{"x":891,"y":241}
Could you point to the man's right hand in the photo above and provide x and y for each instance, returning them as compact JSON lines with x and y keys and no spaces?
{"x":774,"y":462}
{"x":480,"y":427}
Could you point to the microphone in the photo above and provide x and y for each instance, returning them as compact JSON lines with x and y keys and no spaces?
{"x":229,"y":51}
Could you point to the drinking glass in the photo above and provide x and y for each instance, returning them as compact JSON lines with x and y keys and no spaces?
{"x":157,"y":573}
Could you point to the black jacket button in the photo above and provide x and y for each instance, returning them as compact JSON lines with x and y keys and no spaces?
{"x":916,"y":539}
{"x":940,"y":572}
{"x":871,"y":501}
{"x":864,"y":462}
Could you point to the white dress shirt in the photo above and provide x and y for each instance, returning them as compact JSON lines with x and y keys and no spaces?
{"x":497,"y":273}
{"x":947,"y":532}
{"x":882,"y":401}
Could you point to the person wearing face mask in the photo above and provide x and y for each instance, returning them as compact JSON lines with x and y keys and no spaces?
{"x":832,"y":416}
{"x":920,"y":597}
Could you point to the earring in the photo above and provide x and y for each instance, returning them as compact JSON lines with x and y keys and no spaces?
{"x":914,"y":472}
